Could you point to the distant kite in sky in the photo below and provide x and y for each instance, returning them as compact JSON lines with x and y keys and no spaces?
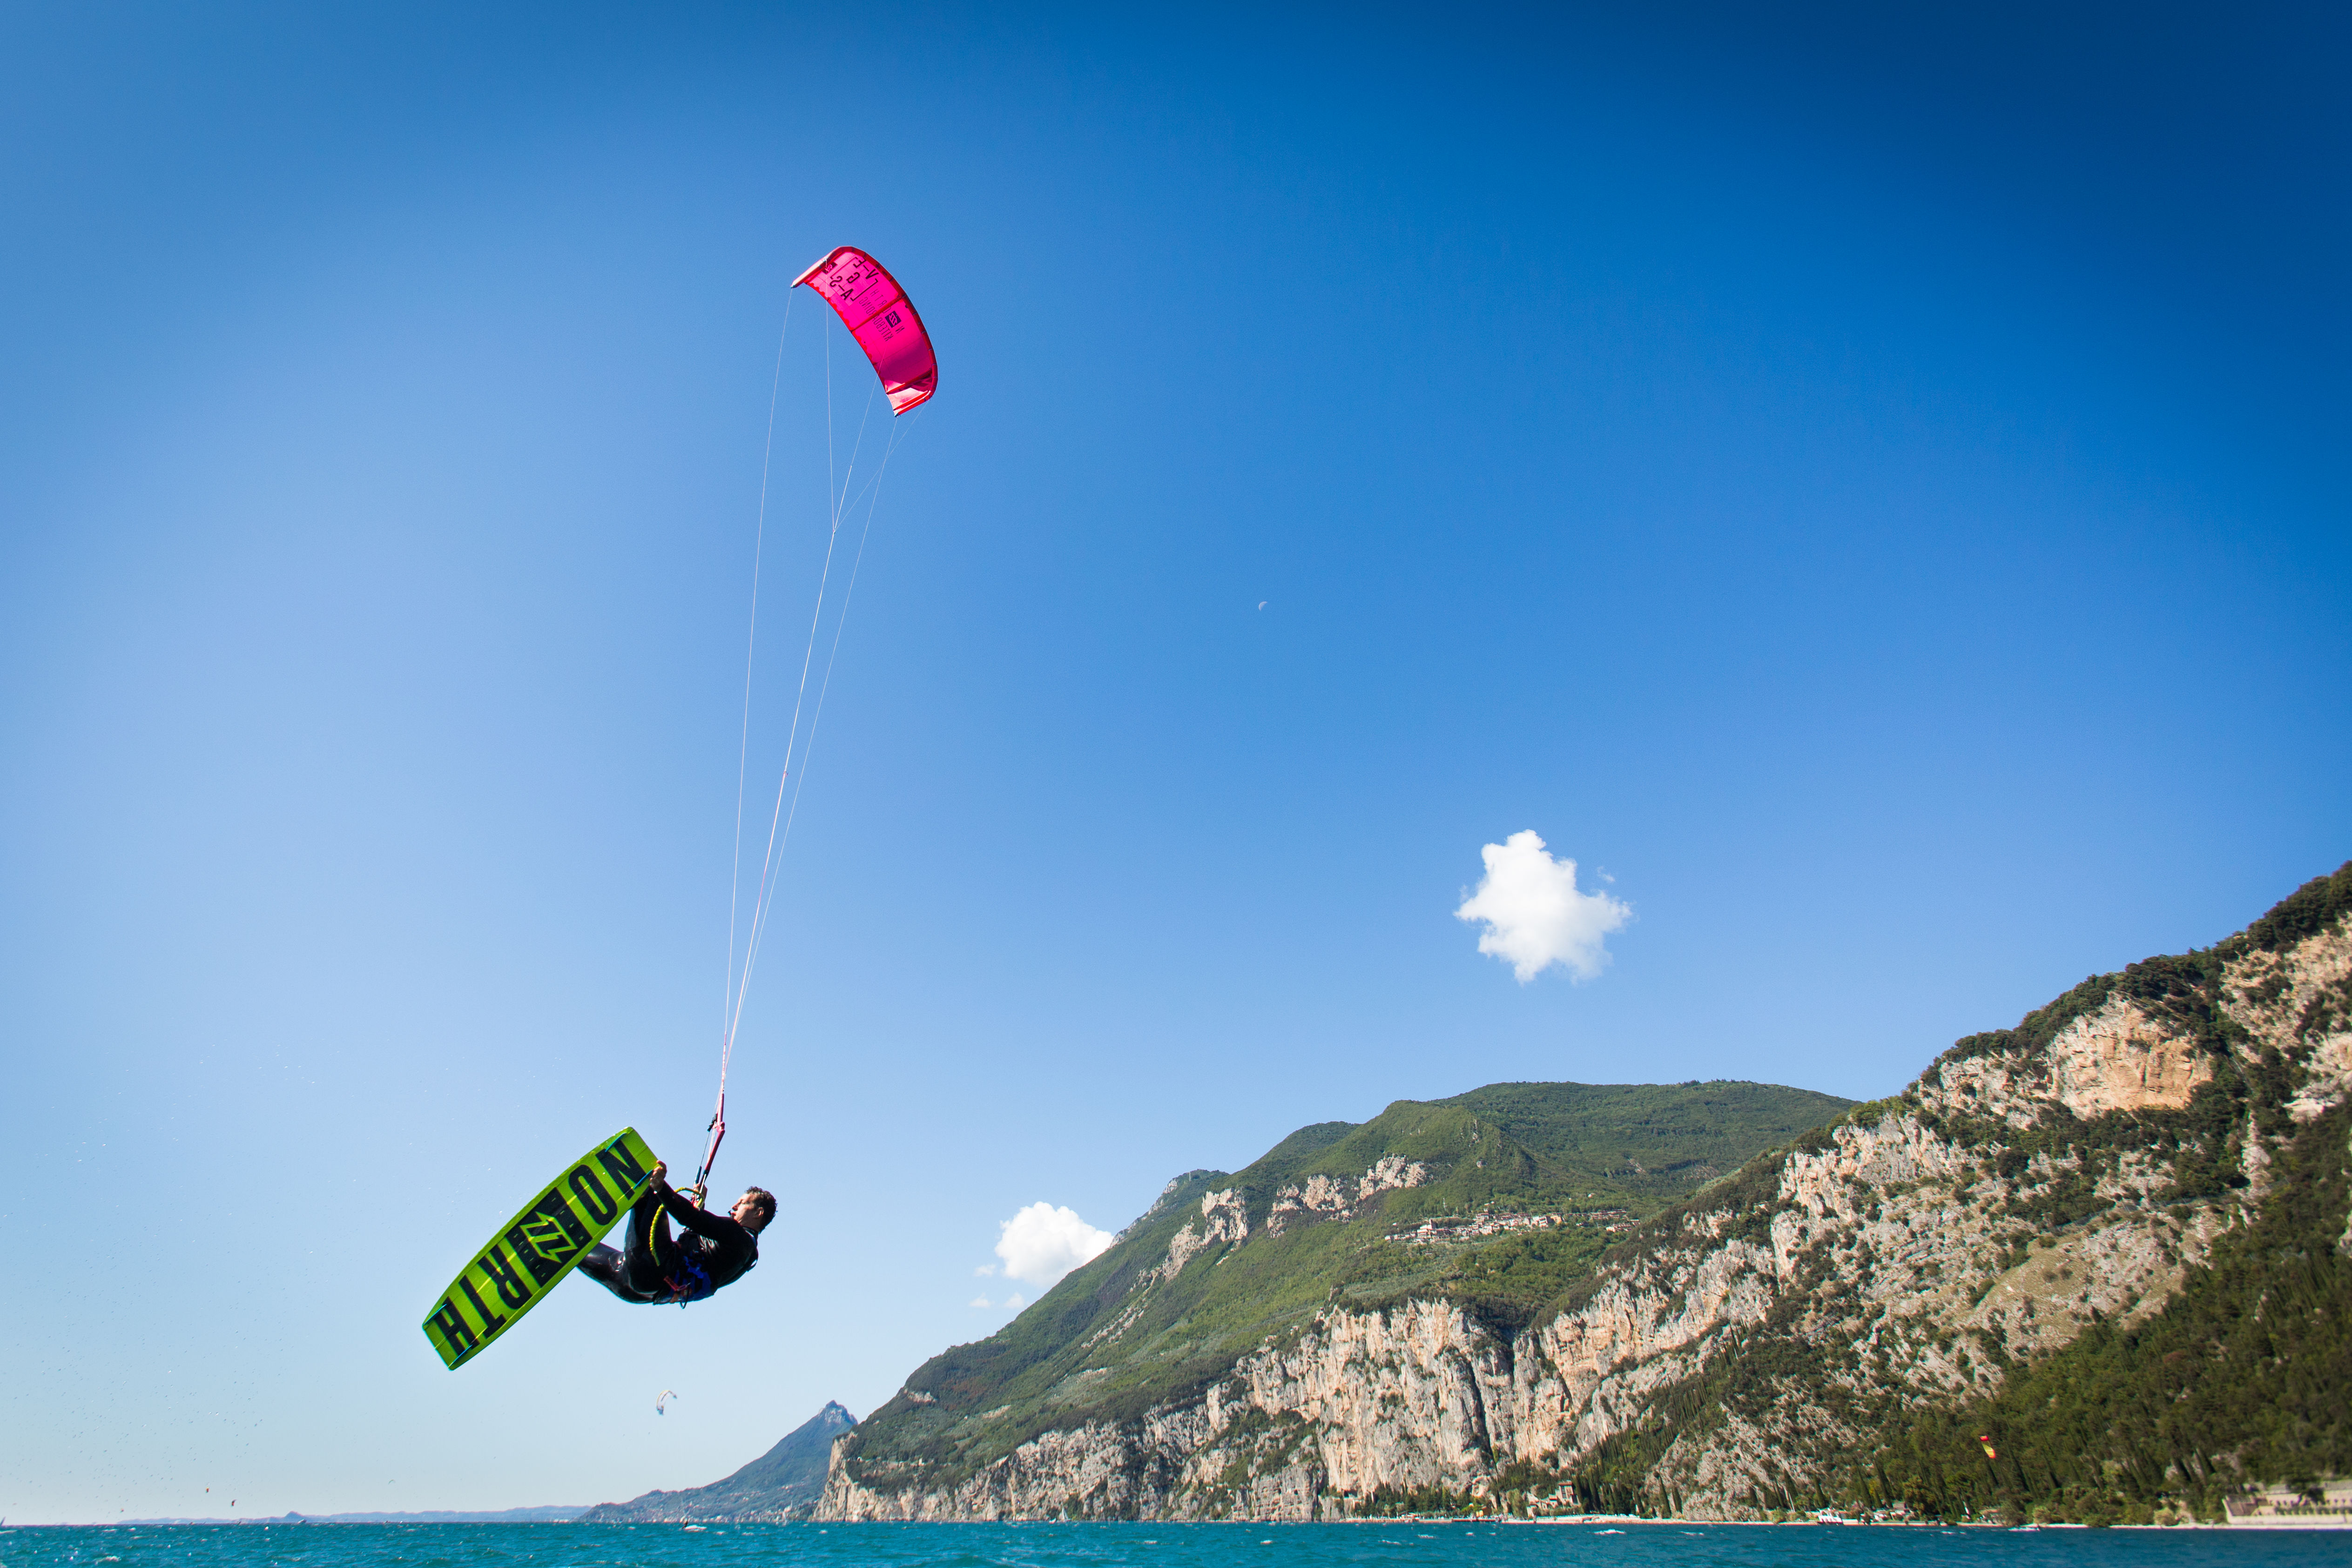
{"x":661,"y":1401}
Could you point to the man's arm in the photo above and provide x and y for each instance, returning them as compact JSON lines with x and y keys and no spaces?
{"x":719,"y":1230}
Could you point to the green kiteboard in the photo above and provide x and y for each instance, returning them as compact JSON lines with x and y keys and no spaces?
{"x":539,"y":1247}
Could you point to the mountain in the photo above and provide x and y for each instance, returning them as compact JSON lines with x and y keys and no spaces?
{"x":779,"y":1484}
{"x":1492,"y":1203}
{"x":2093,"y":1267}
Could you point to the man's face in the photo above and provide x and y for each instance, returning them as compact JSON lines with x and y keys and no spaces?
{"x":747,"y":1212}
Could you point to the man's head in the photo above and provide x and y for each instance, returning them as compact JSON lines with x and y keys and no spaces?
{"x":755,"y":1209}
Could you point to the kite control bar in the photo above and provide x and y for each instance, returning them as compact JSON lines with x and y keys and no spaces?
{"x":717,"y":1135}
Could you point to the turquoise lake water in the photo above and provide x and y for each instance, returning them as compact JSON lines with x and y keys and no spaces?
{"x":1151,"y":1546}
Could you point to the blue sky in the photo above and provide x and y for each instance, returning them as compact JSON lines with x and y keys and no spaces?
{"x":1870,"y":486}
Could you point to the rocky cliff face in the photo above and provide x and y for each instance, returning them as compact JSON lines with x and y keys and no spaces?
{"x":1739,"y":1350}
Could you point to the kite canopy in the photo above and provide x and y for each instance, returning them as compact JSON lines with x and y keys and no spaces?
{"x":882,"y":318}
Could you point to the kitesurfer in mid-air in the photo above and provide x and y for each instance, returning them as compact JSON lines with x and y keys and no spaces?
{"x":655,"y":1268}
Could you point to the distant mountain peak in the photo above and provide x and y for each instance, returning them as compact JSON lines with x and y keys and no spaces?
{"x":780,"y":1484}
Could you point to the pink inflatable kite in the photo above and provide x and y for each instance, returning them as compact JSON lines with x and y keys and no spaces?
{"x":882,"y":318}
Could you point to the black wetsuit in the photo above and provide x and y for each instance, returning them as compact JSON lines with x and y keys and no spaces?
{"x":653,"y":1267}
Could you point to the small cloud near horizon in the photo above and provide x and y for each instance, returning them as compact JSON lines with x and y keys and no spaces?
{"x":1042,"y":1243}
{"x":1534,"y":915}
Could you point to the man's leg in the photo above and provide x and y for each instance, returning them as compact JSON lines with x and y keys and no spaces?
{"x":648,"y":1257}
{"x":604,"y":1266}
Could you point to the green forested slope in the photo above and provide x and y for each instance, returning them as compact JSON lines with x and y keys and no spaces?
{"x":2246,"y":1374}
{"x":1113,"y":1340}
{"x":1664,"y":1138}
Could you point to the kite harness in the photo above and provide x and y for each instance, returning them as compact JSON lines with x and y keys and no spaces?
{"x":691,"y":1282}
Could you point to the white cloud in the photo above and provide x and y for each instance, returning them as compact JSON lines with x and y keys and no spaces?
{"x":1534,"y":915}
{"x":981,"y":1301}
{"x":1043,"y":1243}
{"x":984,"y":1272}
{"x":1013,"y":1303}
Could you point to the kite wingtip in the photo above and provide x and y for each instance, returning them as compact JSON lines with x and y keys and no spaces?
{"x":822,"y":262}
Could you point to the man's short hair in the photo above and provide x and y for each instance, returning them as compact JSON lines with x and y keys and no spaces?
{"x":764,"y":1208}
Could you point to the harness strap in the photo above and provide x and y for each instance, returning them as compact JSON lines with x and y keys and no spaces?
{"x":691,"y":1282}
